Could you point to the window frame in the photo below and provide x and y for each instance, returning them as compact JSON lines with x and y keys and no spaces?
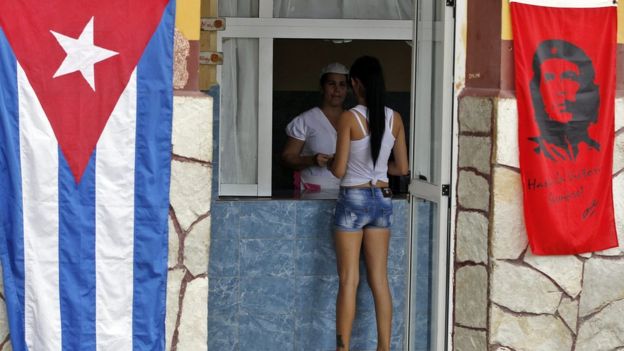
{"x":266,"y":28}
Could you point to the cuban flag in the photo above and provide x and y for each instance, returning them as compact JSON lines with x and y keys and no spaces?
{"x":85,"y":147}
{"x":564,"y":57}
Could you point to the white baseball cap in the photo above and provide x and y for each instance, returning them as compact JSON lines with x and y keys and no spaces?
{"x":334,"y":67}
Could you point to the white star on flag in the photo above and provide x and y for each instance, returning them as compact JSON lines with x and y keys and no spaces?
{"x":82,"y":55}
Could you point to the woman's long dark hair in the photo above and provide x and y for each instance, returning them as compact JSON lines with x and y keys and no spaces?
{"x":368,"y":70}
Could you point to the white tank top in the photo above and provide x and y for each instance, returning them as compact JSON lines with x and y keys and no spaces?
{"x":360,"y":168}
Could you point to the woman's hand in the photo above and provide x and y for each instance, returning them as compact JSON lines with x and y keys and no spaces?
{"x":321,"y":160}
{"x":291,"y":155}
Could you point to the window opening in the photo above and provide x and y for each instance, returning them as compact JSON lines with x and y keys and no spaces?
{"x":296,"y":88}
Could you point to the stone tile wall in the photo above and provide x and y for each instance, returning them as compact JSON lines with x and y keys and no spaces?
{"x":505,"y":297}
{"x":189,"y":224}
{"x":273,"y":278}
{"x":5,"y":341}
{"x":472,"y":224}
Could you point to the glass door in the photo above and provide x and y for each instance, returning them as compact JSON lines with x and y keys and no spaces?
{"x":431,"y":172}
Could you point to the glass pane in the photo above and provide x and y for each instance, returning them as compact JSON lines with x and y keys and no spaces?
{"x":238,"y":162}
{"x":437,"y":87}
{"x":423,"y":266}
{"x":238,"y":8}
{"x":347,"y":9}
{"x":428,"y":100}
{"x":428,"y":288}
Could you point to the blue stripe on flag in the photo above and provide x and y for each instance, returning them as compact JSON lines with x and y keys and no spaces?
{"x":152,"y":170}
{"x":11,"y":224}
{"x":77,"y":256}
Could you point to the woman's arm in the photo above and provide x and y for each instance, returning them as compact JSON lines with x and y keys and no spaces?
{"x":292,"y":158}
{"x":338,"y":166}
{"x":400,"y":165}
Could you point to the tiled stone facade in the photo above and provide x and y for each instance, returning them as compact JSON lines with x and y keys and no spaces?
{"x":273,"y":279}
{"x":532,"y":303}
{"x":180,"y":55}
{"x":471,"y":234}
{"x":5,"y":343}
{"x":189,"y":224}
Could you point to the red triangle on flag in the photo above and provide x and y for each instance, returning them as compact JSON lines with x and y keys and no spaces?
{"x":78,"y":56}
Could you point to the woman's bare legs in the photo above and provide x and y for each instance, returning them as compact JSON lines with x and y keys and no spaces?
{"x":348,"y":246}
{"x":376,"y":242}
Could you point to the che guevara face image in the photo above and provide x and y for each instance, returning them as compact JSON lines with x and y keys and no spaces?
{"x":565,"y":99}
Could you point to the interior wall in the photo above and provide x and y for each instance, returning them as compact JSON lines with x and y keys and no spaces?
{"x":297,"y":62}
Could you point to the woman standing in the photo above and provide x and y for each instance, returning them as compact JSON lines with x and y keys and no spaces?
{"x":367,"y":134}
{"x":312,"y":134}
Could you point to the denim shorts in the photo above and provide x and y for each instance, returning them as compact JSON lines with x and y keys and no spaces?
{"x":359,"y":208}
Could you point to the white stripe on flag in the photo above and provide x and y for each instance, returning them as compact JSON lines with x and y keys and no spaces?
{"x":567,"y":3}
{"x":39,"y":166}
{"x":114,"y":228}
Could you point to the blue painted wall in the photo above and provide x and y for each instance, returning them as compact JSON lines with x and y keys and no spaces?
{"x":273,"y":280}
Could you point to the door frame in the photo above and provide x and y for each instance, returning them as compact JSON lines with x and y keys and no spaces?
{"x":433,"y":106}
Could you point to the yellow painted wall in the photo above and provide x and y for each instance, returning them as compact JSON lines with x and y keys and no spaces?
{"x":188,"y":18}
{"x":506,"y":33}
{"x":620,"y":32}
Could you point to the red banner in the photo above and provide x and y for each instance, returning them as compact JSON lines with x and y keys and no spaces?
{"x":565,"y":89}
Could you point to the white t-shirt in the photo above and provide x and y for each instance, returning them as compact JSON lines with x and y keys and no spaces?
{"x":319,"y":136}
